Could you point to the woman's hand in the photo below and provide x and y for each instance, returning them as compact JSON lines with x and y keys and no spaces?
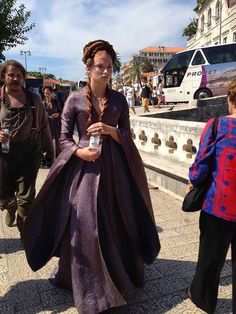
{"x":87,"y":153}
{"x":101,"y":128}
{"x":4,"y":137}
{"x":190,"y":187}
{"x":104,"y":129}
{"x":55,"y":115}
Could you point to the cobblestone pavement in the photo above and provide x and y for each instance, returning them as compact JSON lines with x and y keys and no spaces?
{"x":25,"y":292}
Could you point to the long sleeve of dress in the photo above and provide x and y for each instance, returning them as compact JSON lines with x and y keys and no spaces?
{"x":67,"y":125}
{"x":124,"y":122}
{"x":199,"y":170}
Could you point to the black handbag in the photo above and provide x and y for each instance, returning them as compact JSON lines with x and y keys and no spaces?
{"x":195,"y":197}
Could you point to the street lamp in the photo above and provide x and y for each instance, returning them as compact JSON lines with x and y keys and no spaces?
{"x":41,"y":70}
{"x":26,"y":53}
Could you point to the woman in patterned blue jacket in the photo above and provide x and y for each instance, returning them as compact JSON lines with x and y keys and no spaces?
{"x":218,"y":214}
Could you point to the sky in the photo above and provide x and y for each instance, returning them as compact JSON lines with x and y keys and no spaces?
{"x":63,"y":27}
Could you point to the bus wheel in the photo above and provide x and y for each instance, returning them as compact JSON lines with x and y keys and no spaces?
{"x":203,"y":93}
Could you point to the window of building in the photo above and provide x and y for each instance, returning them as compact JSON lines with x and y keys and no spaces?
{"x":202,"y":23}
{"x":234,"y":36}
{"x":224,"y":40}
{"x":209,"y":17}
{"x":218,"y":9}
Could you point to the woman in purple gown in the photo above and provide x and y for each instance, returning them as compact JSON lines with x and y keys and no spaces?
{"x":94,"y":209}
{"x":53,"y":109}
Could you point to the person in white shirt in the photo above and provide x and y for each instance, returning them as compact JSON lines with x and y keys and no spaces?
{"x":130,"y":97}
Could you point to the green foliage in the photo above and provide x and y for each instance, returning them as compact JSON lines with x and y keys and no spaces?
{"x":40,"y":75}
{"x":12,"y":25}
{"x":49,"y":76}
{"x":136,"y":71}
{"x":199,"y":5}
{"x":117,"y":64}
{"x":138,"y":67}
{"x":35,"y":74}
{"x":147,"y":66}
{"x":191,"y":29}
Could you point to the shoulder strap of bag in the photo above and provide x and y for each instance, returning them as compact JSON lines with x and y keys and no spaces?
{"x":33,"y":111}
{"x":214,"y":129}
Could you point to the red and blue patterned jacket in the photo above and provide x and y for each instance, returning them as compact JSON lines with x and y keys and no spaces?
{"x":219,"y":155}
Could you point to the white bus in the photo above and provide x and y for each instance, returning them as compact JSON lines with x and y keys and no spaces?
{"x":199,"y":73}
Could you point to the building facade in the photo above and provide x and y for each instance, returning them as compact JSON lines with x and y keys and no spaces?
{"x":157,"y":55}
{"x":216,"y":24}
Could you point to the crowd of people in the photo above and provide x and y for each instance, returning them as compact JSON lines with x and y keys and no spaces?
{"x":144,"y":94}
{"x":94,"y":210}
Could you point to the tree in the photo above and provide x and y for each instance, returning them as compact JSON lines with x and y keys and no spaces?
{"x":191,"y":29}
{"x":35,"y":74}
{"x":199,"y":5}
{"x":117,"y":64}
{"x":147,"y":66}
{"x":49,"y":76}
{"x":136,"y":71}
{"x":12,"y":25}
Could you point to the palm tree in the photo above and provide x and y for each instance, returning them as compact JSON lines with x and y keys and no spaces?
{"x":136,"y":71}
{"x":147,"y":66}
{"x":117,"y":64}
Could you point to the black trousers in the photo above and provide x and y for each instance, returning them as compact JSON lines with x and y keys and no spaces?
{"x":18,"y":172}
{"x":216,"y":235}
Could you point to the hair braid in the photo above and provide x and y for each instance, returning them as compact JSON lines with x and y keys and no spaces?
{"x":88,"y":94}
{"x":105,"y":104}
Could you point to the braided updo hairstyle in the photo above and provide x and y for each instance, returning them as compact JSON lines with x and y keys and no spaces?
{"x":231,"y":92}
{"x":89,"y":52}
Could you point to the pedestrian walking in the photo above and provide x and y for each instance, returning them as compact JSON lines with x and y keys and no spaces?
{"x":22,"y":114}
{"x":216,"y":159}
{"x":130,"y":97}
{"x":94,"y":209}
{"x":53,"y":109}
{"x":160,"y":94}
{"x":145,"y":95}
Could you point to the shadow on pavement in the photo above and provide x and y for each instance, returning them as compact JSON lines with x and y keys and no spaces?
{"x":8,"y":246}
{"x":165,"y":289}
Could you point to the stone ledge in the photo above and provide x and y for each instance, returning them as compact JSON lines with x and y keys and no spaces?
{"x":169,"y":176}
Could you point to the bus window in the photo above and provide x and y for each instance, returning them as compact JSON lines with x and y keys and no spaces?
{"x":176,"y":68}
{"x":180,"y":60}
{"x":220,"y":54}
{"x":198,"y":59}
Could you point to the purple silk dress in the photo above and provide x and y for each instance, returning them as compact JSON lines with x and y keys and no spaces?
{"x":96,"y":216}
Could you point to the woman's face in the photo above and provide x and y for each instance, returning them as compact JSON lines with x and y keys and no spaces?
{"x":101,"y":69}
{"x":230,"y":106}
{"x":47,"y":93}
{"x":13,"y":79}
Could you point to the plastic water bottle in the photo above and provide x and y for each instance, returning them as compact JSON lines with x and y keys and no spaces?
{"x":95,"y":141}
{"x":6,"y":145}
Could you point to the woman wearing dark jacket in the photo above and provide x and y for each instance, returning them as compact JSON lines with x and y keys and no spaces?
{"x":218,"y":214}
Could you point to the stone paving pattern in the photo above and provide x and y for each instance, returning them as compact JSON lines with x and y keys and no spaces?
{"x":25,"y":292}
